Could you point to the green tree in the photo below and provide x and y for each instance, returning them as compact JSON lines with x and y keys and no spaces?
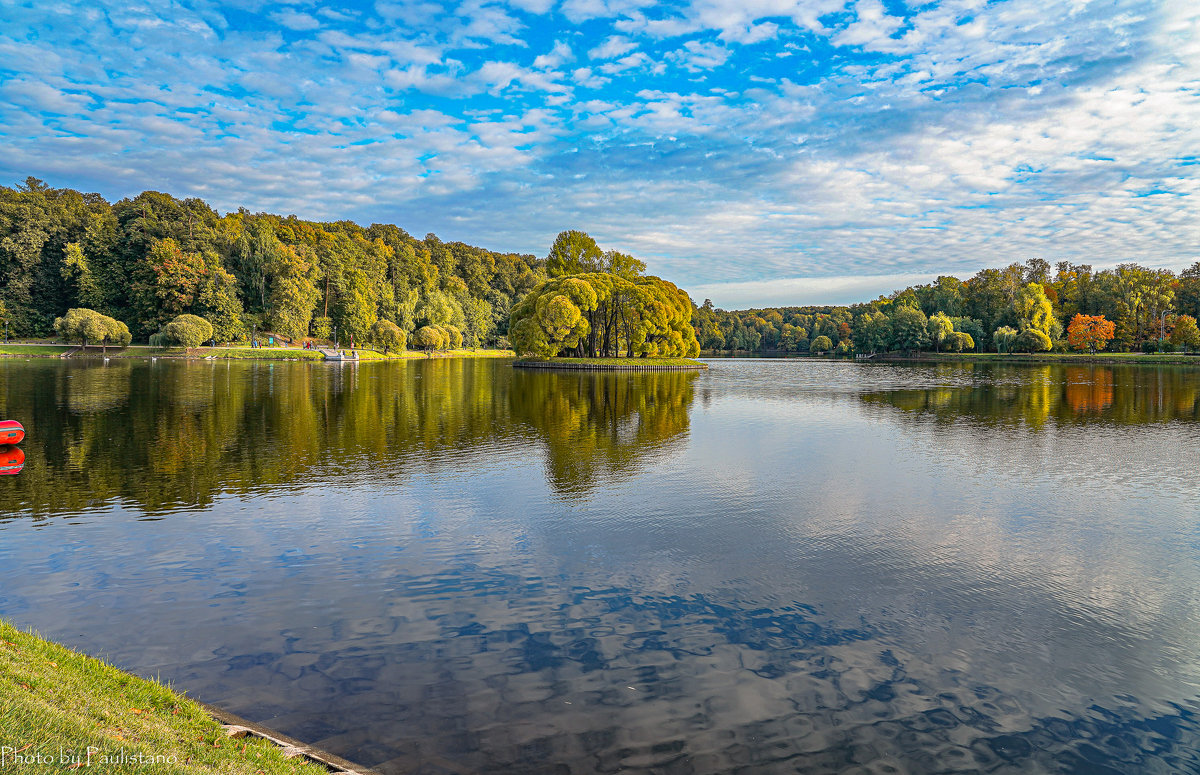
{"x":166,"y":283}
{"x":1032,"y":340}
{"x":971,"y":327}
{"x":873,"y":332}
{"x":821,"y":344}
{"x":574,"y":252}
{"x":603,"y":314}
{"x":1187,"y":292}
{"x":477,"y":314}
{"x":1003,"y":337}
{"x":1186,"y":334}
{"x":219,"y":303}
{"x":909,"y":329}
{"x":960,"y":341}
{"x":322,"y":328}
{"x":453,"y":337}
{"x":387,"y":336}
{"x":87,"y":326}
{"x":78,"y":275}
{"x":1032,"y":309}
{"x":948,"y":296}
{"x":939,"y":327}
{"x":293,"y":294}
{"x":708,"y":328}
{"x":355,"y":310}
{"x":189,"y":331}
{"x":621,"y":264}
{"x":427,"y":338}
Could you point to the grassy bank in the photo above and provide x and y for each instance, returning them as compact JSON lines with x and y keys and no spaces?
{"x":59,"y":705}
{"x":237,"y":353}
{"x":243,"y":353}
{"x":33,"y":350}
{"x":288,"y":353}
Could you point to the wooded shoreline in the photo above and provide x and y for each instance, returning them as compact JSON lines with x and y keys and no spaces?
{"x":1127,"y":359}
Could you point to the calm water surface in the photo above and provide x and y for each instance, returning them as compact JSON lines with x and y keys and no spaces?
{"x":776,"y":566}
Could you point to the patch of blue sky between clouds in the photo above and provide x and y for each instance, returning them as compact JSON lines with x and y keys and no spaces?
{"x":728,"y":142}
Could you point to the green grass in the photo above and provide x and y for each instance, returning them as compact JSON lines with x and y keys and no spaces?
{"x":289,"y":353}
{"x":247,"y":353}
{"x":33,"y":349}
{"x":244,"y":353}
{"x":616,"y":361}
{"x":55,"y":702}
{"x":460,"y":353}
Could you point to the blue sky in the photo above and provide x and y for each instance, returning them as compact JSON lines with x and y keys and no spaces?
{"x":753,"y":151}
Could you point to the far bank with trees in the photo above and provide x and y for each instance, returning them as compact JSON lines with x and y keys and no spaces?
{"x":1022,"y":308}
{"x":172,"y":272}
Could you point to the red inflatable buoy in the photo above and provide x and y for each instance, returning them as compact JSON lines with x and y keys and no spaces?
{"x":12,"y":460}
{"x":11,"y":432}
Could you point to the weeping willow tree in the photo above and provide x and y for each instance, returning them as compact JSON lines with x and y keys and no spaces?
{"x":604,"y":315}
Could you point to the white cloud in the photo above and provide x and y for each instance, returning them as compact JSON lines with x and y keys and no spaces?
{"x":612,"y":48}
{"x":873,"y":24}
{"x":296,"y":21}
{"x":636,"y":59}
{"x":557,"y":56}
{"x":697,"y":56}
{"x":532,"y":6}
{"x":980,"y":134}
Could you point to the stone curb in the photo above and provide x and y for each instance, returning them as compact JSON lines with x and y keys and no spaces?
{"x":238,"y":728}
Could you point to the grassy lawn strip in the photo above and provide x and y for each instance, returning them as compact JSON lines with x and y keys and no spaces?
{"x":245,"y":353}
{"x":33,"y":349}
{"x":462,"y":353}
{"x":55,"y":702}
{"x":288,"y":353}
{"x":617,"y":361}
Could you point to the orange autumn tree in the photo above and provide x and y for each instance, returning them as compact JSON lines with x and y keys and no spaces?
{"x":1090,"y":332}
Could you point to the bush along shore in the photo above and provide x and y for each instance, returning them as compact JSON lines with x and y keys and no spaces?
{"x":63,"y":710}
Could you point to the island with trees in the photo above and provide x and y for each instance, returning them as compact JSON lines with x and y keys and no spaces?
{"x":599,"y":311}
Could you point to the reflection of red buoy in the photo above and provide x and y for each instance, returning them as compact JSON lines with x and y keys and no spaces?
{"x":12,"y":460}
{"x":11,"y":432}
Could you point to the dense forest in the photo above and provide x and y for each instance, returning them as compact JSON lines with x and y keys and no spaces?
{"x":147,"y":260}
{"x":1028,"y":307}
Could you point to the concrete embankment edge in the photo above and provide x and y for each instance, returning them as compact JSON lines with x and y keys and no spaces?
{"x":238,"y":727}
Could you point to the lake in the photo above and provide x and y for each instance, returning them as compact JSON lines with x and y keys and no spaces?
{"x":773,"y":566}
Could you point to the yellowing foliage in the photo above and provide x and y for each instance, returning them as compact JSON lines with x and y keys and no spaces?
{"x":602,"y":314}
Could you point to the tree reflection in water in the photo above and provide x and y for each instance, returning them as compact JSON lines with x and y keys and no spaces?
{"x":167,"y":435}
{"x":599,"y":427}
{"x":1036,"y":395}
